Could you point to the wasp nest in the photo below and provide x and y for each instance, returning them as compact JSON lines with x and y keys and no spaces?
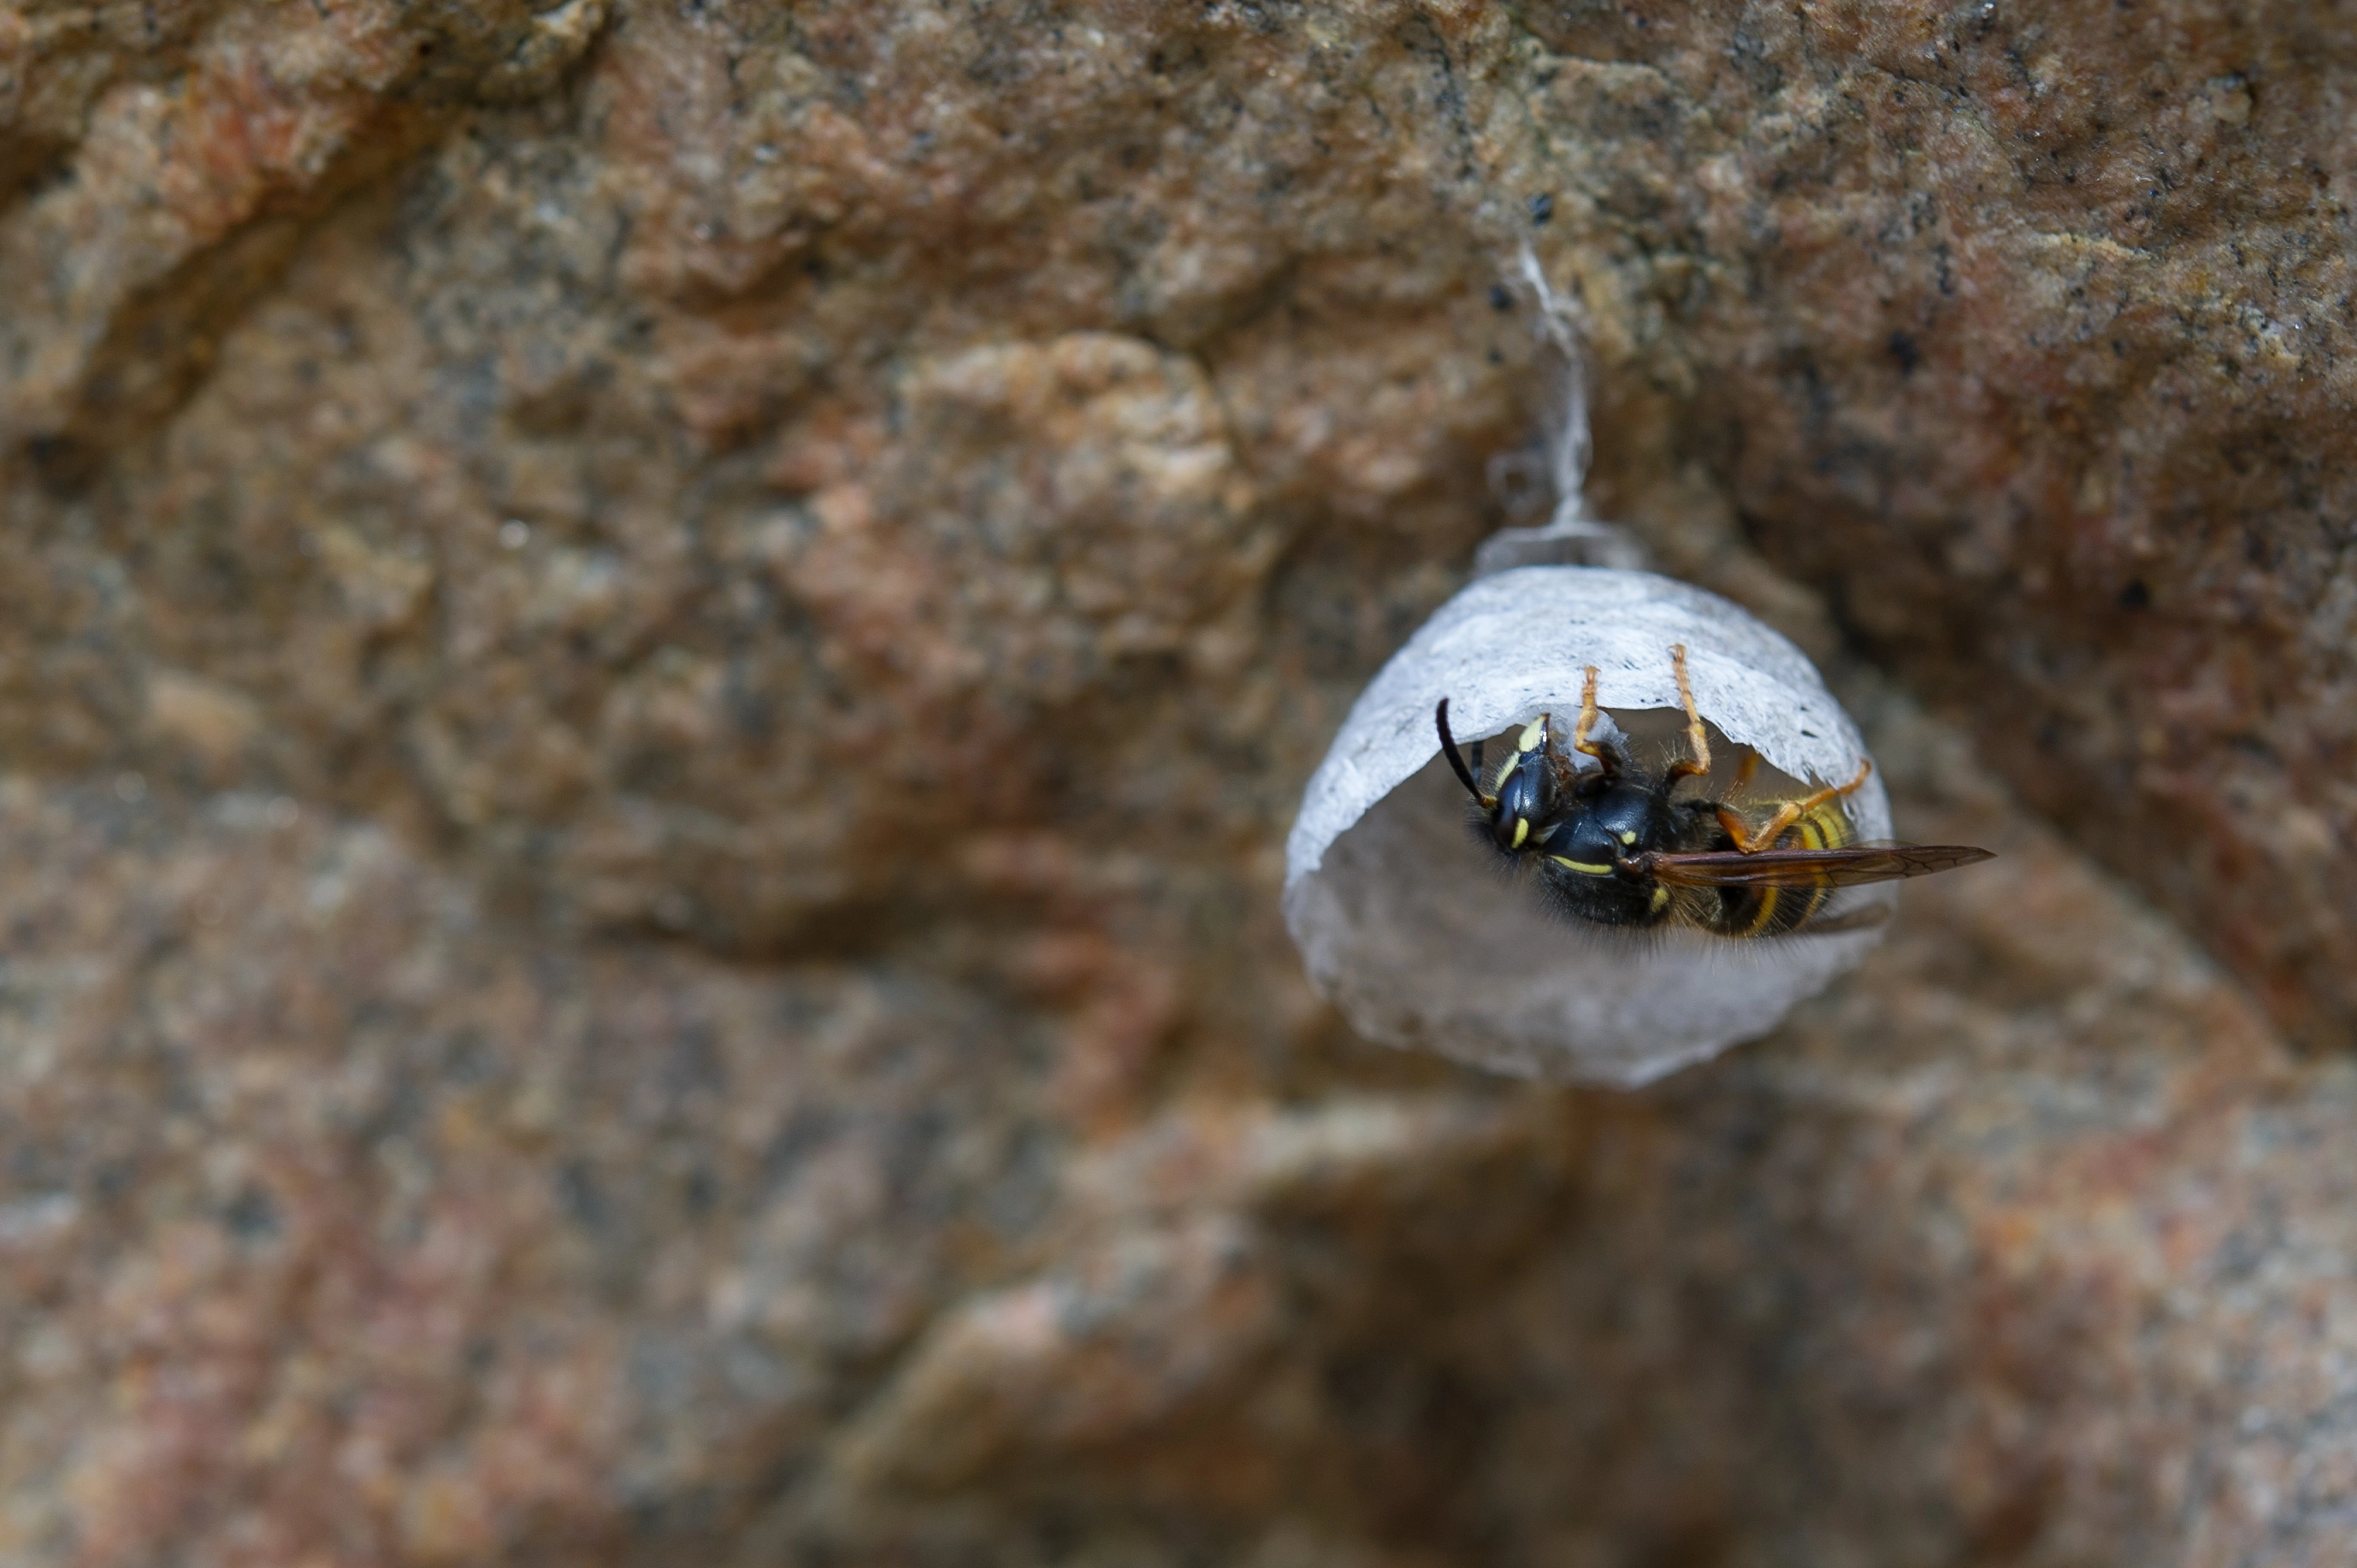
{"x":1400,"y":914}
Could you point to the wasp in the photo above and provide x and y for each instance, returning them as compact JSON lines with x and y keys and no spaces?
{"x":1617,"y":844}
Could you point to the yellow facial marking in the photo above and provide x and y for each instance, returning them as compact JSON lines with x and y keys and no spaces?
{"x":1532,"y":734}
{"x":1508,"y":771}
{"x":1627,"y":837}
{"x":1521,"y":831}
{"x":1582,"y":866}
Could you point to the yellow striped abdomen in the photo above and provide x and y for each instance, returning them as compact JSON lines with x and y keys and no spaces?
{"x":1773,"y":911}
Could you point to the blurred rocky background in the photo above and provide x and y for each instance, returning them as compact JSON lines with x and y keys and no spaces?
{"x":653,"y":654}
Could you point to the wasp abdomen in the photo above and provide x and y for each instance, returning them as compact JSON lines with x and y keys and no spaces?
{"x":1763,"y":911}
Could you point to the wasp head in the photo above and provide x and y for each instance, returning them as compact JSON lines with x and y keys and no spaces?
{"x":1520,"y":812}
{"x":1519,"y":808}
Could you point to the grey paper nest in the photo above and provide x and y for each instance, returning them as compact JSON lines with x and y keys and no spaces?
{"x":1400,"y":916}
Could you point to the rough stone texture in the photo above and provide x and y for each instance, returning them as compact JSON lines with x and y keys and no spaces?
{"x":654,"y":657}
{"x":343,"y":1223}
{"x":2027,"y":337}
{"x":916,"y":394}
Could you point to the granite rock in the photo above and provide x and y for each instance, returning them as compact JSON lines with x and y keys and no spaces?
{"x":346,"y":1220}
{"x":2027,"y":370}
{"x":653,"y":659}
{"x":2021,"y":337}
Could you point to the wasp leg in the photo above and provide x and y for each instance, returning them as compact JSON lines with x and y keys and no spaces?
{"x":1699,"y":763}
{"x":1558,"y":760}
{"x":1751,"y":842}
{"x":1744,"y":772}
{"x":1580,"y":741}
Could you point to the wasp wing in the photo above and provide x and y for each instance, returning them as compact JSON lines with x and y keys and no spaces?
{"x":1852,"y":865}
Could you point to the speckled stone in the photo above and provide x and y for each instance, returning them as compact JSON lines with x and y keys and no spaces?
{"x":653,"y":659}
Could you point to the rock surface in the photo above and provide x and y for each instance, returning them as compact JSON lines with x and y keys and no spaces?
{"x":343,"y":1221}
{"x":654,"y":658}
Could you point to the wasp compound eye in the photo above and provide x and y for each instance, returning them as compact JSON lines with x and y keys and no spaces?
{"x":1521,"y":802}
{"x":1387,"y":898}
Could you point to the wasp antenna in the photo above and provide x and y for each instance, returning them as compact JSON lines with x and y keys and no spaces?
{"x":1456,"y":762}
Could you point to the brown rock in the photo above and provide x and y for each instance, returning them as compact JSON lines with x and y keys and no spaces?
{"x":655,"y":656}
{"x":2020,"y":336}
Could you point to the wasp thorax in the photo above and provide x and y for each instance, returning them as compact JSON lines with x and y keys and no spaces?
{"x":1617,"y":824}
